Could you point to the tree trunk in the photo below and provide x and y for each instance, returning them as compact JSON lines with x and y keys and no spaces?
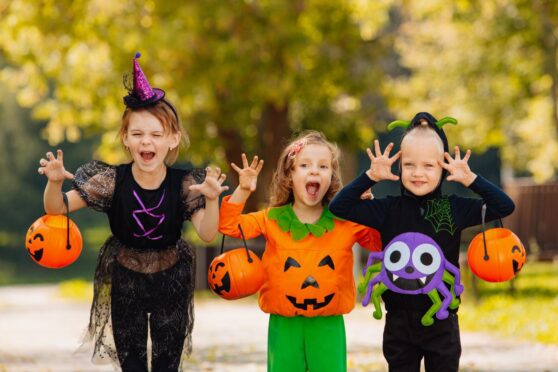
{"x":273,"y":132}
{"x":550,"y":46}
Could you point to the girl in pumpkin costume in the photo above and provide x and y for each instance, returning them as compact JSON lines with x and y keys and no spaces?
{"x":308,"y":258}
{"x":145,"y":272}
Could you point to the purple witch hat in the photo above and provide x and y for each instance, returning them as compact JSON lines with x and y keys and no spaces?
{"x":140,"y":94}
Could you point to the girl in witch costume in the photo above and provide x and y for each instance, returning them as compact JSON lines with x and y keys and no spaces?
{"x":145,"y":271}
{"x":421,"y":232}
{"x":308,"y":258}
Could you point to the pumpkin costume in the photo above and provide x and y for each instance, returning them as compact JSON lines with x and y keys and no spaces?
{"x":308,"y":273}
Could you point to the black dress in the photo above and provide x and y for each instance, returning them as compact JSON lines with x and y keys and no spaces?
{"x":145,"y":271}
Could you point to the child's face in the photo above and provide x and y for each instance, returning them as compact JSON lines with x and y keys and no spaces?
{"x":420,"y":171}
{"x":147,"y":141}
{"x":311,"y":174}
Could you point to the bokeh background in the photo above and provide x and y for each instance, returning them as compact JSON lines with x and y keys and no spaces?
{"x":247,"y":74}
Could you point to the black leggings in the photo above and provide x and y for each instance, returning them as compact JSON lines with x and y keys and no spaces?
{"x":407,"y":341}
{"x":161,"y":295}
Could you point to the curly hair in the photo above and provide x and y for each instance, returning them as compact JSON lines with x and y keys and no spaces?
{"x":281,"y":186}
{"x":166,"y":113}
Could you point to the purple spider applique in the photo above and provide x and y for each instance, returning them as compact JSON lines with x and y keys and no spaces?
{"x":412,"y":263}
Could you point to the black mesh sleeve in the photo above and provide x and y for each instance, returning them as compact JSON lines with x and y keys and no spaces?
{"x":95,"y":183}
{"x":192,"y":200}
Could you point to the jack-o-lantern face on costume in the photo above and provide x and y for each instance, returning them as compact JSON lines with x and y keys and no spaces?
{"x":501,"y":259}
{"x":235,"y":274}
{"x":48,"y":243}
{"x":304,"y":298}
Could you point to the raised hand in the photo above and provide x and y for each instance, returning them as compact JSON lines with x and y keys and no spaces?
{"x":458,"y":168}
{"x":53,"y":168}
{"x":211,"y":187}
{"x":248,"y":174}
{"x":380,"y":164}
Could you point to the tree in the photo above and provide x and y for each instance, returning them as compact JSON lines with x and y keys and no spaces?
{"x":493,"y":65}
{"x":245,"y":74}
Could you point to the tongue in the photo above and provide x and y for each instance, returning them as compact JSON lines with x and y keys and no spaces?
{"x":312,"y":189}
{"x":147,"y":155}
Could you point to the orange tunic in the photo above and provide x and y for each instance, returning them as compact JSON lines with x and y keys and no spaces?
{"x":308,"y":267}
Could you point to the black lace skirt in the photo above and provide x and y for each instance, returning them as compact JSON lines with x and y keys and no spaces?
{"x":175,"y":267}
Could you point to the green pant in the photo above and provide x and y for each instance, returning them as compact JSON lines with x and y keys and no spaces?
{"x":300,"y":344}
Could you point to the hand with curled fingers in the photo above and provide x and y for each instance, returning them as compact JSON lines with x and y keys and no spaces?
{"x":212,"y":186}
{"x":458,"y":168}
{"x":248,"y":174}
{"x":53,"y":167}
{"x":380,"y":164}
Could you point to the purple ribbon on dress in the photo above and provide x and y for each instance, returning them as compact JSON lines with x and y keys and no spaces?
{"x":161,"y":217}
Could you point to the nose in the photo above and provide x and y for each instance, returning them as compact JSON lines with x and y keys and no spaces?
{"x":409,"y":270}
{"x":309,"y":281}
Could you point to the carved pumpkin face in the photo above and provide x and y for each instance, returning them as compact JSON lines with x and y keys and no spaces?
{"x":232,"y":276}
{"x":301,"y":296}
{"x":503,"y":258}
{"x":308,"y":283}
{"x":47,"y":242}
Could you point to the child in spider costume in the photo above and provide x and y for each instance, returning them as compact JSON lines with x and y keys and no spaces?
{"x":145,"y":271}
{"x":308,"y":258}
{"x":421,"y":232}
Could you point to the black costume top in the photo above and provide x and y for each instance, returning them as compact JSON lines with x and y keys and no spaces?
{"x":146,"y":227}
{"x":441,"y":217}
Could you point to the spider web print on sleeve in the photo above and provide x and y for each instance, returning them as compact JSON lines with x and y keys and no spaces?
{"x":438,"y":213}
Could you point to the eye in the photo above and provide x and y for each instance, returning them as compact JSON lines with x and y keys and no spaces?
{"x":324,"y":167}
{"x":220,"y":264}
{"x":290,"y":262}
{"x":396,"y":256}
{"x":427,"y":258}
{"x":303,"y":165}
{"x":327,"y":261}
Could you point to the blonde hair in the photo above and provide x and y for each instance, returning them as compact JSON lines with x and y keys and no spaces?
{"x":167,"y":115}
{"x":281,"y":186}
{"x":423,"y":131}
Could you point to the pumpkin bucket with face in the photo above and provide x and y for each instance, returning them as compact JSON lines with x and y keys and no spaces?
{"x":496,"y":255}
{"x":53,"y":241}
{"x":236,"y":273}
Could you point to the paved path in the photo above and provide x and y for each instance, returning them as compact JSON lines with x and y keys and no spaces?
{"x":39,"y":332}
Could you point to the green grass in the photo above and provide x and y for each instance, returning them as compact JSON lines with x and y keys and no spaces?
{"x":527,"y":312}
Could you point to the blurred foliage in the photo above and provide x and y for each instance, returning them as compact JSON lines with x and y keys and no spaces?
{"x":243,"y":73}
{"x":526,"y":312}
{"x":492,"y":65}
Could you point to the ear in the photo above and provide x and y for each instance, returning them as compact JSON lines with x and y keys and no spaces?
{"x":175,"y":139}
{"x":125,"y":140}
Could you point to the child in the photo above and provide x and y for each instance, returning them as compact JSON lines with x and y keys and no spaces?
{"x":308,"y":255}
{"x":145,"y":272}
{"x":423,"y":148}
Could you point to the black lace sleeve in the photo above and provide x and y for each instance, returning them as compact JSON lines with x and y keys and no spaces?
{"x":192,"y":200}
{"x":95,"y":183}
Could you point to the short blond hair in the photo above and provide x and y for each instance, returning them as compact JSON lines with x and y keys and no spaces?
{"x":281,"y":186}
{"x":423,"y":131}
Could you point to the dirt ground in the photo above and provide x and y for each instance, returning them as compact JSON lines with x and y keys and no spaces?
{"x":39,"y":331}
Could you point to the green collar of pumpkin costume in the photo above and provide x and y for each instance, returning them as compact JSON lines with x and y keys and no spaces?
{"x":289,"y":222}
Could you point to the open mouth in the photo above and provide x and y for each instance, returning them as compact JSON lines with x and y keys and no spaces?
{"x":516,"y":267}
{"x":311,"y":302}
{"x":409,"y":284}
{"x":37,"y":255}
{"x":147,"y":155}
{"x":225,"y":285}
{"x":312,"y":188}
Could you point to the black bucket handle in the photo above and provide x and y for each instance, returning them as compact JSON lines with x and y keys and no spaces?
{"x":250,"y":260}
